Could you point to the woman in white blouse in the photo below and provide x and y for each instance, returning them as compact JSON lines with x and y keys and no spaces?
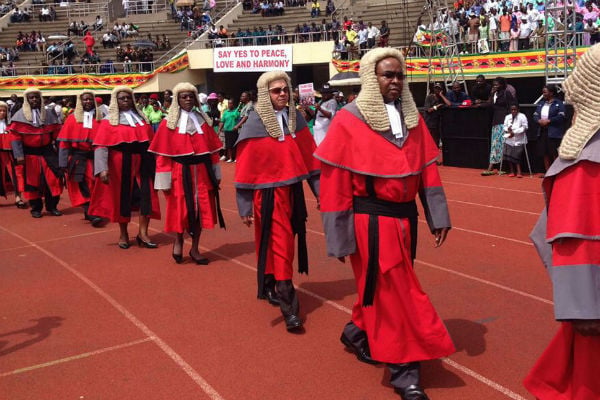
{"x":515,"y":133}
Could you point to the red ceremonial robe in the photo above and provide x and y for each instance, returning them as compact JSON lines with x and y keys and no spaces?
{"x":169,"y":146}
{"x":107,"y":199}
{"x":39,"y":168}
{"x":265,"y":162}
{"x":567,"y":238}
{"x":401,"y":324}
{"x":76,"y":154}
{"x":8,"y":169}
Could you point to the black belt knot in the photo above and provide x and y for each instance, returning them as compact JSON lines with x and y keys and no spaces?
{"x":188,"y":188}
{"x":375,"y":208}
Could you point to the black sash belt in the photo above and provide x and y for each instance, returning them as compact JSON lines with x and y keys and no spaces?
{"x":188,"y":188}
{"x":146,"y":174}
{"x":375,"y":207}
{"x":77,"y":166}
{"x":49,"y":155}
{"x":298,"y":220}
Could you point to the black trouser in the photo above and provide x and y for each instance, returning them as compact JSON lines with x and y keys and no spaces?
{"x":357,"y":336}
{"x":401,"y":375}
{"x":287,"y":296}
{"x":51,"y":202}
{"x":405,"y":374}
{"x":523,"y":44}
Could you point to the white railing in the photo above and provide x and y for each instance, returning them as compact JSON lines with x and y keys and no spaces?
{"x":145,"y":6}
{"x":263,"y":40}
{"x":72,"y":10}
{"x":70,"y":69}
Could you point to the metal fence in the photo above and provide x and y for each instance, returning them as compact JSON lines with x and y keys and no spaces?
{"x":69,"y":69}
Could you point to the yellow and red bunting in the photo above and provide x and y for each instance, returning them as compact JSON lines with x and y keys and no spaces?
{"x":506,"y":63}
{"x":90,"y":81}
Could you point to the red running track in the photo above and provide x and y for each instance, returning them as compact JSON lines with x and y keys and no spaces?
{"x":82,"y":319}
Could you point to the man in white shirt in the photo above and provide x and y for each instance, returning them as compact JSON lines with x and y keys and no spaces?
{"x":372,"y":34}
{"x":525,"y":33}
{"x":325,"y":110}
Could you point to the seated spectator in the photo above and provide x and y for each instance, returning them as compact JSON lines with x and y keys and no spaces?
{"x":166,"y":41}
{"x":329,"y":8}
{"x":264,"y":8}
{"x":69,"y":50}
{"x":73,"y":28}
{"x":17,"y":16}
{"x":98,"y":24}
{"x":247,"y":5}
{"x":44,"y":14}
{"x":54,"y":50}
{"x":279,"y":8}
{"x":222,"y":33}
{"x":456,"y":96}
{"x":131,"y":30}
{"x":109,"y":40}
{"x":315,"y":9}
{"x":40,"y":42}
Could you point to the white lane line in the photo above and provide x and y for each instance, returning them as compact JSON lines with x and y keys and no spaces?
{"x":494,"y":207}
{"x":54,"y":239}
{"x":488,"y":235}
{"x":494,"y":187}
{"x":486,"y":381}
{"x":75,"y":357}
{"x":486,"y":282}
{"x":505,"y":391}
{"x":188,"y":369}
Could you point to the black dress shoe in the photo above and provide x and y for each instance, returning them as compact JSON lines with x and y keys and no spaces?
{"x":271,"y":296}
{"x":36,"y":214}
{"x":21,"y":204}
{"x":55,"y":212}
{"x":177,"y":257}
{"x":362,"y":354}
{"x":123,"y":245}
{"x":199,"y":261}
{"x":142,"y":243}
{"x":412,"y":392}
{"x":293,"y":323}
{"x":97,"y":222}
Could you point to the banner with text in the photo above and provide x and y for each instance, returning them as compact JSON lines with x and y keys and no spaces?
{"x":252,"y":58}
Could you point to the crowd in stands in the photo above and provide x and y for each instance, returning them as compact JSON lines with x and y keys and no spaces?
{"x":30,"y":41}
{"x":483,"y":26}
{"x":47,"y":14}
{"x":19,"y":15}
{"x":6,"y":7}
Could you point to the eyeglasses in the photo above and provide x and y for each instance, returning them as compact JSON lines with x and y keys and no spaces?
{"x":278,"y":90}
{"x":390,"y":75}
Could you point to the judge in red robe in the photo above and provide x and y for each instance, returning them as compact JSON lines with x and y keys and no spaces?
{"x":76,"y":155}
{"x":376,"y":158}
{"x":9,"y":171}
{"x":125,"y":169}
{"x":567,"y":237}
{"x":33,"y":132}
{"x":187,"y":170}
{"x":274,"y":157}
